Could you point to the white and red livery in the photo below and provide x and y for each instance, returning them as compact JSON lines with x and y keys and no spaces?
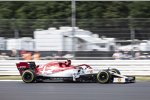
{"x":65,"y":71}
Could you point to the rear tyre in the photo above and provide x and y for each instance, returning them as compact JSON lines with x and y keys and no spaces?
{"x":103,"y":77}
{"x":28,"y":76}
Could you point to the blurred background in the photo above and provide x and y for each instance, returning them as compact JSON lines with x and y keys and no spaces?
{"x":81,"y":30}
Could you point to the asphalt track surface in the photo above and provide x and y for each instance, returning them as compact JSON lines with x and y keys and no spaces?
{"x":74,"y":91}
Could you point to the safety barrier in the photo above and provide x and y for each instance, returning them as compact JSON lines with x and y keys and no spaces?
{"x":126,"y":67}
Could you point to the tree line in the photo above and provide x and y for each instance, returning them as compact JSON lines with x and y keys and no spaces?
{"x":26,"y":16}
{"x":62,"y":9}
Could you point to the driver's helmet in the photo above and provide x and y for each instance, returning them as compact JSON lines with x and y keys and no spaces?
{"x":68,"y":62}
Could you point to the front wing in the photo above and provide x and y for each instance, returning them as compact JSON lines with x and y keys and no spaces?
{"x":127,"y":79}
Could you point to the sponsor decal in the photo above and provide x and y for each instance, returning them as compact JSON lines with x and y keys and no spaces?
{"x":22,"y":66}
{"x":51,"y":69}
{"x":119,"y":79}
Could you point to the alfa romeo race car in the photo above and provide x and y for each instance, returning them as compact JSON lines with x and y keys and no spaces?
{"x":65,"y":71}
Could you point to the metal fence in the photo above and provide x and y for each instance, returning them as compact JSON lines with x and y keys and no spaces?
{"x":120,"y":28}
{"x":117,"y":34}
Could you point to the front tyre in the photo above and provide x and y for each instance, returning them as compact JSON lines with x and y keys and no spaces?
{"x":115,"y":71}
{"x":28,"y":76}
{"x":103,"y":77}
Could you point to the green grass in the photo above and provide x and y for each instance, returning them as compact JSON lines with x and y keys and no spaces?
{"x":143,"y":78}
{"x":10,"y":77}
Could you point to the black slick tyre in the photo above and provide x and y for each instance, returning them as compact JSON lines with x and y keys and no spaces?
{"x":28,"y":76}
{"x":115,"y":71}
{"x":103,"y":77}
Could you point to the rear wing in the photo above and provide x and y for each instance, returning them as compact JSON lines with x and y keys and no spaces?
{"x":22,"y":66}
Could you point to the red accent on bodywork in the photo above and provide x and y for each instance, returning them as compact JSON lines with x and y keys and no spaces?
{"x":54,"y":67}
{"x":21,"y":66}
{"x":49,"y":68}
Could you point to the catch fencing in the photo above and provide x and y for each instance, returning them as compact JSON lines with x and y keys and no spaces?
{"x":126,"y":67}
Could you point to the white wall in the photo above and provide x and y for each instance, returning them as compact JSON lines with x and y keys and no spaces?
{"x":126,"y":67}
{"x":2,"y":43}
{"x":25,"y":43}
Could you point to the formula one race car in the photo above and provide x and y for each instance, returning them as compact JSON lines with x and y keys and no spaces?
{"x":66,"y":72}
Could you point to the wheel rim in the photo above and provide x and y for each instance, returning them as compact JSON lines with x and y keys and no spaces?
{"x":27,"y":76}
{"x":103,"y":76}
